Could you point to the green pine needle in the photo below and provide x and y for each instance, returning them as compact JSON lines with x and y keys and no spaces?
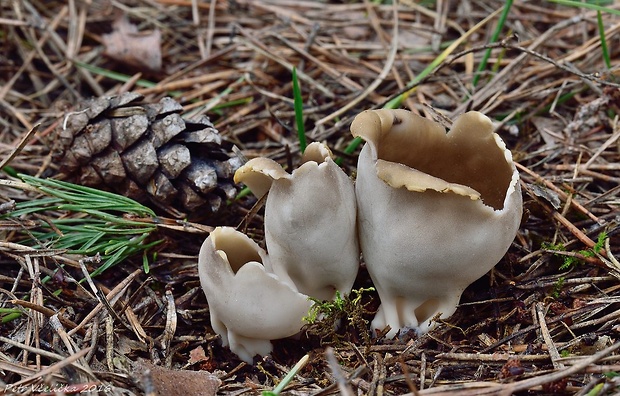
{"x":100,"y":222}
{"x":299,"y":112}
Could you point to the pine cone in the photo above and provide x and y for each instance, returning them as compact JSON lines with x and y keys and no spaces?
{"x":147,"y":151}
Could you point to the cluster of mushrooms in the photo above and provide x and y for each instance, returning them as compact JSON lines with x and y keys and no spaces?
{"x":430,"y":213}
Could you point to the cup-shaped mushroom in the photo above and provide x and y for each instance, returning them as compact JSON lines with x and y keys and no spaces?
{"x":248,"y":305}
{"x":310,"y":221}
{"x":436,"y":211}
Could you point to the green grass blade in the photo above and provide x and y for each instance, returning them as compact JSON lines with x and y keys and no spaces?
{"x":396,"y":102}
{"x":589,"y":5}
{"x":9,"y":314}
{"x":498,"y":29}
{"x":601,"y":32}
{"x":299,"y":112}
{"x":112,"y":75}
{"x":145,"y":263}
{"x":289,"y":376}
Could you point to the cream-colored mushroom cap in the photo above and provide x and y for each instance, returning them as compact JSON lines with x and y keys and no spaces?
{"x":417,"y":154}
{"x":248,"y":305}
{"x":310,"y":221}
{"x":436,"y":210}
{"x":260,"y":172}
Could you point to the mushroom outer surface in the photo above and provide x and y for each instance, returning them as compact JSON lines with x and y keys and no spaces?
{"x":427,"y":233}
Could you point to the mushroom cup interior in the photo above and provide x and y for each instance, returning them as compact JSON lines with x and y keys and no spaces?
{"x":470,"y":154}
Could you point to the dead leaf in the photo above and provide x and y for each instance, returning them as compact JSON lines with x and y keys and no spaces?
{"x":548,"y":195}
{"x":171,"y":382}
{"x":126,"y":45}
{"x":549,"y":129}
{"x":197,"y":355}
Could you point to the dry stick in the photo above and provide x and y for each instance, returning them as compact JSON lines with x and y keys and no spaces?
{"x":562,"y":220}
{"x":96,"y":292}
{"x":210,"y":29}
{"x":491,"y":388}
{"x":121,"y":286}
{"x":343,"y":385}
{"x":249,"y":109}
{"x":27,"y":62}
{"x":554,"y":63}
{"x":22,"y":143}
{"x":553,"y":351}
{"x":490,"y":88}
{"x":309,"y":40}
{"x":69,"y":344}
{"x":405,"y":369}
{"x":338,"y":77}
{"x":133,"y":320}
{"x":189,"y":82}
{"x":559,"y":318}
{"x":86,"y":58}
{"x":47,"y":312}
{"x":75,"y":29}
{"x":432,"y":14}
{"x":422,"y":371}
{"x":592,"y":322}
{"x":36,"y":297}
{"x":384,"y":72}
{"x":109,"y":342}
{"x":552,"y":377}
{"x":597,"y":175}
{"x":39,"y":49}
{"x":261,"y":49}
{"x":12,"y":22}
{"x":277,"y":10}
{"x":439,"y":64}
{"x":574,"y":53}
{"x":129,"y":314}
{"x":439,"y":24}
{"x":93,"y":334}
{"x":385,"y":41}
{"x":196,"y":65}
{"x":571,"y":167}
{"x":612,"y":139}
{"x":53,"y":368}
{"x":171,"y":323}
{"x":490,"y":357}
{"x":36,"y":351}
{"x":129,"y":84}
{"x":563,"y":196}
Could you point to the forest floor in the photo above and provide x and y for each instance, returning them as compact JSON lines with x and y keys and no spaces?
{"x":543,"y":321}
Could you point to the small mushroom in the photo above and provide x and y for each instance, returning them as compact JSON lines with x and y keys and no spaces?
{"x":436,"y":211}
{"x":310,"y":221}
{"x":249,"y":306}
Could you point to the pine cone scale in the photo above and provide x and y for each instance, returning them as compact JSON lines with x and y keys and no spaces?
{"x":148,"y":149}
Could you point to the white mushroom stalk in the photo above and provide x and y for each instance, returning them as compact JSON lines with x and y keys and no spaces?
{"x":310,"y":221}
{"x":436,"y":211}
{"x":249,"y":306}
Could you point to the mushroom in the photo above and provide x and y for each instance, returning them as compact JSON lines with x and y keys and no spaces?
{"x":436,"y":211}
{"x":248,"y":305}
{"x":310,"y":221}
